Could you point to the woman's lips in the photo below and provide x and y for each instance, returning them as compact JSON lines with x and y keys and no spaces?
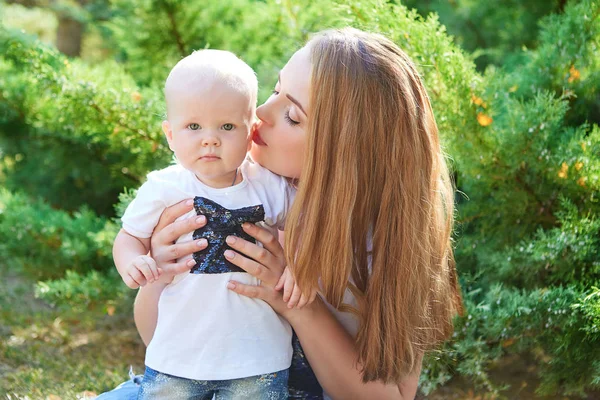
{"x":257,"y":139}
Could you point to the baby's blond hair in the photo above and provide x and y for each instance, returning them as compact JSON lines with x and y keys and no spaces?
{"x":209,"y":64}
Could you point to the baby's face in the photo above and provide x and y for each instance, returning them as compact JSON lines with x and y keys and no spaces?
{"x":208,"y":128}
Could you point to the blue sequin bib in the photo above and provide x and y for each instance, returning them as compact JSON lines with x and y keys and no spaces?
{"x":221,"y":222}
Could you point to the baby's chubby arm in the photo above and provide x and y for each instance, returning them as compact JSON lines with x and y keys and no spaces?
{"x":131,"y":258}
{"x":292,"y":294}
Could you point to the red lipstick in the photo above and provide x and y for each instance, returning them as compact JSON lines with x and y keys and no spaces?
{"x":257,"y":139}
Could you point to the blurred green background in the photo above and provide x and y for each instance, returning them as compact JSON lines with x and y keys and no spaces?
{"x":515,"y":88}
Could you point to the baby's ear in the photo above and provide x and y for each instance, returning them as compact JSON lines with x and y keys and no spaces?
{"x":166,"y":127}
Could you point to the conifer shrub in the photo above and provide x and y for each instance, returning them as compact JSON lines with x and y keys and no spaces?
{"x":493,"y":32}
{"x":45,"y":242}
{"x":528,"y":242}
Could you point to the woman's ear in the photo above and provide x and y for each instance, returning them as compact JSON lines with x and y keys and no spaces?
{"x":166,"y":127}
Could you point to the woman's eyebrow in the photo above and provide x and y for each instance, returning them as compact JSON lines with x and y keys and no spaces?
{"x":293,"y":100}
{"x":296,"y":102}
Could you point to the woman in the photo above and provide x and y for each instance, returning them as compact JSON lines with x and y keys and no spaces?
{"x":351,"y":121}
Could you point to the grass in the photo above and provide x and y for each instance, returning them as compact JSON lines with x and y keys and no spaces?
{"x":48,"y":354}
{"x":52,"y":354}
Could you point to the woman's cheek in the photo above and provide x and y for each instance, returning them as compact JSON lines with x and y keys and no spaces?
{"x":256,"y":154}
{"x":295,"y":154}
{"x":296,"y":164}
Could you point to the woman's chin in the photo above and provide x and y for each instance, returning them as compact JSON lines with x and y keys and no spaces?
{"x":256,"y":154}
{"x":260,"y":156}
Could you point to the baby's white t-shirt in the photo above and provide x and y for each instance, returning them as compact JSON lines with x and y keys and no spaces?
{"x":205,"y":331}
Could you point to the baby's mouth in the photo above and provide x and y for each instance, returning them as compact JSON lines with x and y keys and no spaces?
{"x":210,"y":157}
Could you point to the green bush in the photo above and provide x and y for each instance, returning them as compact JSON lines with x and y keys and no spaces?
{"x":495,"y":33}
{"x":38,"y":21}
{"x":78,"y":134}
{"x":555,"y":325}
{"x":77,"y":293}
{"x":529,"y":229}
{"x":47,"y":242}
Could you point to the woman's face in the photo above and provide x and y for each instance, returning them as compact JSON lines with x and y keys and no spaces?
{"x":279,"y":139}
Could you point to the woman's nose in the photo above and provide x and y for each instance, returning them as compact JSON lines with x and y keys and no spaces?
{"x":262,"y":113}
{"x":211,"y":141}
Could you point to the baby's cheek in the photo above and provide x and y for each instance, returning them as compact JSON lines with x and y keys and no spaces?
{"x":242,"y":145}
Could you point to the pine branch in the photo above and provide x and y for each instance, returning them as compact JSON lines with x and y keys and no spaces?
{"x":178,"y":39}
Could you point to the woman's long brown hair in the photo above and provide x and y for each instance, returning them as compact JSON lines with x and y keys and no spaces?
{"x":375,"y":202}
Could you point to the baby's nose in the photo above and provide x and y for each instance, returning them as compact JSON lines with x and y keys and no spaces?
{"x":211,"y":141}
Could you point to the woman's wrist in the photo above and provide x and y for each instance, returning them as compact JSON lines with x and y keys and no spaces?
{"x":303,"y":316}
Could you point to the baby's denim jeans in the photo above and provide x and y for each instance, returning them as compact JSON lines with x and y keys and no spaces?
{"x":156,"y":385}
{"x":125,"y":391}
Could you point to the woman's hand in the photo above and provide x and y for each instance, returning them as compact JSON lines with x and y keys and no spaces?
{"x":173,"y":258}
{"x":265,"y":263}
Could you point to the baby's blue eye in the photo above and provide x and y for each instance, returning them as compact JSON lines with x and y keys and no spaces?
{"x":228,"y":127}
{"x":194,"y":126}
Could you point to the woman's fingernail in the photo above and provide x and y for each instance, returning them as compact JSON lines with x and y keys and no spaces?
{"x":229,"y":254}
{"x":189,"y":202}
{"x":201,"y":219}
{"x":191,"y":263}
{"x":231,"y":285}
{"x":230,"y":239}
{"x":201,"y":242}
{"x":247,"y":225}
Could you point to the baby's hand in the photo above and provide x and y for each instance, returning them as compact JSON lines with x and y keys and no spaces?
{"x":291,"y":291}
{"x":141,"y":270}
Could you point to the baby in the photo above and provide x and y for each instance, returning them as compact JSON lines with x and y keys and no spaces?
{"x":209,"y":340}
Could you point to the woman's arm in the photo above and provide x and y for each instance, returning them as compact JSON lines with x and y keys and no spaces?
{"x":331,"y":353}
{"x":145,"y":310}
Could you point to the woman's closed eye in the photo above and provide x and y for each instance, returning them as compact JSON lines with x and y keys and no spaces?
{"x":194,"y":126}
{"x":288,"y":119}
{"x":286,"y":115}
